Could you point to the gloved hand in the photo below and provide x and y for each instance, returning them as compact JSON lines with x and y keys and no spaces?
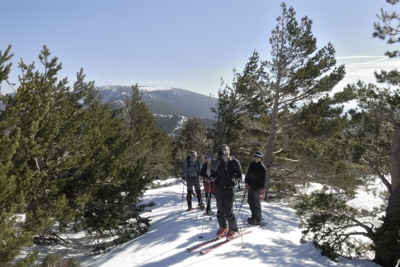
{"x":262,"y":193}
{"x":184,"y":177}
{"x":212,"y":179}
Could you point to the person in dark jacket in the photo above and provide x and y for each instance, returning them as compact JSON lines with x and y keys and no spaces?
{"x":227,"y":172}
{"x":255,"y":182}
{"x":191,"y":171}
{"x":209,"y":185}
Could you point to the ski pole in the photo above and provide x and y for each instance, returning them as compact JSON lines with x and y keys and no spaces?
{"x":241,"y":204}
{"x":200,"y":203}
{"x":237,"y":216}
{"x":183,"y":192}
{"x":202,"y":225}
{"x":208,"y":199}
{"x":197,"y":212}
{"x":204,"y":214}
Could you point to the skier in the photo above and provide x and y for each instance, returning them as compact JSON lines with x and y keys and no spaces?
{"x":209,"y":186}
{"x":227,"y":172}
{"x":191,"y":170}
{"x":255,"y":182}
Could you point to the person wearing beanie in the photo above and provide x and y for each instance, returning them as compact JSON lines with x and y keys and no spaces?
{"x":208,"y":182}
{"x":255,"y":183}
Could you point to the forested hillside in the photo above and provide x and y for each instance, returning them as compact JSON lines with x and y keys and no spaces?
{"x":170,"y":106}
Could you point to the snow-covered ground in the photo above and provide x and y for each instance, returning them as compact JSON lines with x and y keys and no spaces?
{"x":173,"y":230}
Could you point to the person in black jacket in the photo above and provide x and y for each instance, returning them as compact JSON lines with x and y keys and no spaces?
{"x":255,"y":182}
{"x":209,"y":185}
{"x":227,"y":172}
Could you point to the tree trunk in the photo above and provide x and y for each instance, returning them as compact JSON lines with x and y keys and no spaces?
{"x":269,"y":153}
{"x":387,"y":240}
{"x":394,"y":200}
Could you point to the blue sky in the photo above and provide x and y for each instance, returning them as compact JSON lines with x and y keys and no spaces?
{"x":186,"y":44}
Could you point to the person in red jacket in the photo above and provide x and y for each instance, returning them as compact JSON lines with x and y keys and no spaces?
{"x":209,"y":185}
{"x":255,"y":183}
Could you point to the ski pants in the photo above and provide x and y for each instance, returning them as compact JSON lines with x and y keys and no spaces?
{"x":225,"y":198}
{"x":253,"y":198}
{"x":209,"y":189}
{"x":193,"y":182}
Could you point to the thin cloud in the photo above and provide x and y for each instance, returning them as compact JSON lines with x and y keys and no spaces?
{"x":362,"y":68}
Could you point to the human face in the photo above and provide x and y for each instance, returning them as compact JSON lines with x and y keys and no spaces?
{"x":257,"y":159}
{"x":225,"y":150}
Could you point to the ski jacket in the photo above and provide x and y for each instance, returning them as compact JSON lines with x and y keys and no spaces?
{"x":256,"y":175}
{"x":203,"y":171}
{"x":191,"y":168}
{"x":227,"y":174}
{"x":209,"y":187}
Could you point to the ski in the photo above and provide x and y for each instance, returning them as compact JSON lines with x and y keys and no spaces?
{"x":205,"y":243}
{"x":205,"y":251}
{"x":261,"y":224}
{"x":196,"y":208}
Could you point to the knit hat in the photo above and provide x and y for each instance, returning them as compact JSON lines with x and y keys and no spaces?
{"x":259,"y":154}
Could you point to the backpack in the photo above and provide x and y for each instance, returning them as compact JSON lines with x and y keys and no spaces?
{"x":198,"y":164}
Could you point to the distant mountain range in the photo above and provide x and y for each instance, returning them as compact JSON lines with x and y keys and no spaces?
{"x":170,"y":106}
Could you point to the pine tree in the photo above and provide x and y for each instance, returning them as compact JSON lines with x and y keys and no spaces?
{"x":372,"y":143}
{"x":387,"y":245}
{"x":193,"y":136}
{"x":365,"y":144}
{"x":229,"y":127}
{"x":150,"y":142}
{"x":272,"y":91}
{"x":13,"y":236}
{"x":70,"y":158}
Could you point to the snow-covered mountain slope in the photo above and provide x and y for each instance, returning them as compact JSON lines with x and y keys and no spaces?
{"x":170,"y":106}
{"x":165,"y":100}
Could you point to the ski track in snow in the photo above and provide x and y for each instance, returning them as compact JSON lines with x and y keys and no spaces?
{"x":173,"y":230}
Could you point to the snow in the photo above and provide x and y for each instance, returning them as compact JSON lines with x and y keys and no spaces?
{"x":367,"y":198}
{"x":155,"y":88}
{"x":173,"y":229}
{"x":116,"y":88}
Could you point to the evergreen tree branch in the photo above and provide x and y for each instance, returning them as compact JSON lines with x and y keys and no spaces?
{"x":379,"y":174}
